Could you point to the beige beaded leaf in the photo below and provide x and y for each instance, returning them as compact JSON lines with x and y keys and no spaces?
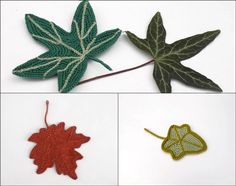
{"x":180,"y":141}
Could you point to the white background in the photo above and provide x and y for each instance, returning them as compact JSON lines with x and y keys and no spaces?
{"x":93,"y":115}
{"x":181,"y":19}
{"x":142,"y":161}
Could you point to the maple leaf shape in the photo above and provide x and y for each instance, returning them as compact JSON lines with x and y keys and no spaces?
{"x":168,"y":56}
{"x":55,"y":146}
{"x":180,"y":141}
{"x":68,"y":53}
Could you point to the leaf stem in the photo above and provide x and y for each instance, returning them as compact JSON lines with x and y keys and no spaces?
{"x":155,"y":135}
{"x":46,"y":114}
{"x":115,"y":73}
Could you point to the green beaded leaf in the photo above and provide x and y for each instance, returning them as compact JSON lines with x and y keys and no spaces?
{"x":68,"y":53}
{"x":181,"y":141}
{"x":168,"y":57}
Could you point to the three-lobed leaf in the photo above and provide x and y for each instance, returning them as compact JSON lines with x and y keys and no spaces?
{"x":68,"y":53}
{"x":168,"y":56}
{"x":181,"y":140}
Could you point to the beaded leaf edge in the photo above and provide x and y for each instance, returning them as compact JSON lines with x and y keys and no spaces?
{"x":68,"y":53}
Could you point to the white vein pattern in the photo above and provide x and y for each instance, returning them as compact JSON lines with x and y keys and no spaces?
{"x":53,"y":37}
{"x":83,"y":18}
{"x":50,"y":60}
{"x":56,"y":40}
{"x":142,"y":42}
{"x":187,"y":46}
{"x":38,"y":66}
{"x":88,"y":50}
{"x":158,"y":35}
{"x":166,"y":84}
{"x":68,"y":77}
{"x":107,"y":40}
{"x":188,"y":73}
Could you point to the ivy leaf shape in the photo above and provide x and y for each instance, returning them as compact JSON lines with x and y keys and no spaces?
{"x":168,"y":57}
{"x":68,"y":53}
{"x":56,"y":146}
{"x":181,"y":140}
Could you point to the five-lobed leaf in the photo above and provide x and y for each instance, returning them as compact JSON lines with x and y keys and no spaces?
{"x":55,"y":146}
{"x":68,"y":53}
{"x":168,"y":56}
{"x":181,"y":140}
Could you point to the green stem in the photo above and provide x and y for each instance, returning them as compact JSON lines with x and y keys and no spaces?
{"x":153,"y":134}
{"x":115,"y":73}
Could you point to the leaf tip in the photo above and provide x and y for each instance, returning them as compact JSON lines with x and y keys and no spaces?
{"x":14,"y":71}
{"x":73,"y":175}
{"x":62,"y":91}
{"x":31,"y":138}
{"x":157,"y":15}
{"x":218,"y":31}
{"x":17,"y":72}
{"x":128,"y":33}
{"x":119,"y":30}
{"x":217,"y":88}
{"x":27,"y":16}
{"x":88,"y":138}
{"x":220,"y":90}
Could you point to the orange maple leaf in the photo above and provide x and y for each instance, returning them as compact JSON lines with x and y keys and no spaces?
{"x":56,"y":146}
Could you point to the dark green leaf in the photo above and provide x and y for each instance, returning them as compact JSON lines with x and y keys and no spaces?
{"x":68,"y":53}
{"x":168,"y":57}
{"x":162,"y":78}
{"x":156,"y":35}
{"x":140,"y":43}
{"x":171,"y":68}
{"x":189,"y":47}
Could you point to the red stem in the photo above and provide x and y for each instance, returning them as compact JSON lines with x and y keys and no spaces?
{"x":115,"y":73}
{"x":46,"y":114}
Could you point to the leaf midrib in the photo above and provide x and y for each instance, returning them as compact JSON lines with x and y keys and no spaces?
{"x":58,"y":40}
{"x":184,"y":48}
{"x":176,"y":70}
{"x":180,"y":140}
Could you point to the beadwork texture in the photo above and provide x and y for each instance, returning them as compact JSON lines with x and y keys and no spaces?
{"x":180,"y":141}
{"x":68,"y":53}
{"x":168,"y":57}
{"x":55,"y":146}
